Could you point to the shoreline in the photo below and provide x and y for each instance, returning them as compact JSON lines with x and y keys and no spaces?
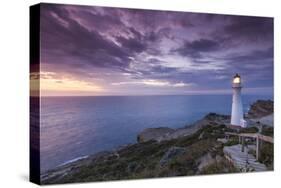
{"x":72,"y":160}
{"x":82,"y":157}
{"x":150,"y":137}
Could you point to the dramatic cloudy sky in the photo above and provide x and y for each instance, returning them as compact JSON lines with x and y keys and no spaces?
{"x":110,"y":51}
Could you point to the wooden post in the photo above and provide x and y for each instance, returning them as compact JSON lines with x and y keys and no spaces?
{"x":261,"y":143}
{"x":257,"y":148}
{"x":260,"y":133}
{"x":243,"y":144}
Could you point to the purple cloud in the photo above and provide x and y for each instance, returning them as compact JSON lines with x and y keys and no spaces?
{"x":128,"y":45}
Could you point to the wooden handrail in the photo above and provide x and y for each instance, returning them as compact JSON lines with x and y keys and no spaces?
{"x":231,"y":133}
{"x":257,"y":136}
{"x":252,"y":135}
{"x":266,"y":138}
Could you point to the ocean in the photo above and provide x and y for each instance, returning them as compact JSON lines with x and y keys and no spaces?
{"x":74,"y":127}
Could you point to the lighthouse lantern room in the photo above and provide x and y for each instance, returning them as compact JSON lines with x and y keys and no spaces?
{"x":237,"y":108}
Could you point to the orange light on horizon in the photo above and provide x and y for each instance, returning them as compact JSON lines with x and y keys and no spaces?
{"x":66,"y":85}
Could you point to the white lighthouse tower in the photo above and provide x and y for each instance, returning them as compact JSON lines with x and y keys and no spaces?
{"x":237,"y":109}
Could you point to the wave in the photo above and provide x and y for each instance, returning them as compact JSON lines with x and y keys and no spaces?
{"x":73,"y":160}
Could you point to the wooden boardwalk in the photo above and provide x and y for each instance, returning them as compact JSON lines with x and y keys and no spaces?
{"x":258,"y":137}
{"x":243,"y":160}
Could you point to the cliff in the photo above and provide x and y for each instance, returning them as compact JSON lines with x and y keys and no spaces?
{"x":162,"y":152}
{"x":260,"y":109}
{"x":261,"y":113}
{"x":161,"y":134}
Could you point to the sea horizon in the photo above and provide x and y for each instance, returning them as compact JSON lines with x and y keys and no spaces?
{"x":143,"y":95}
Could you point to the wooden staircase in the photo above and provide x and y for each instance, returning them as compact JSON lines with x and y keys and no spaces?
{"x":244,"y":161}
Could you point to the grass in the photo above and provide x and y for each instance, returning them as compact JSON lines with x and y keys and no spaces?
{"x":233,"y":140}
{"x":268,"y":131}
{"x":141,"y":160}
{"x":223,"y":166}
{"x":267,"y":154}
{"x":249,"y":130}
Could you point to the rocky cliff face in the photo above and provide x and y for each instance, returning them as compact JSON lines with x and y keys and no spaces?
{"x":153,"y":133}
{"x":162,"y":133}
{"x":260,"y":109}
{"x":261,"y":113}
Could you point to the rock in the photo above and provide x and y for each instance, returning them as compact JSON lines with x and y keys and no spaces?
{"x":113,"y":156}
{"x":132,"y":166}
{"x":201,"y":135}
{"x":211,"y":119}
{"x":217,"y":117}
{"x":153,"y":134}
{"x":205,"y":161}
{"x":265,"y":120}
{"x":222,"y":140}
{"x":260,"y":109}
{"x":219,"y":158}
{"x":164,"y":133}
{"x":171,"y":153}
{"x":217,"y":149}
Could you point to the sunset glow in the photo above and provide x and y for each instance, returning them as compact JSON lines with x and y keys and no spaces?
{"x":68,"y":85}
{"x":50,"y":85}
{"x":95,"y":51}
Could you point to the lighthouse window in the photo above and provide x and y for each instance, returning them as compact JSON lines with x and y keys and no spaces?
{"x":236,"y":80}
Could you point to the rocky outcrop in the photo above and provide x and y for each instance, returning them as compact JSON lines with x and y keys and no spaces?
{"x":206,"y":160}
{"x":261,"y":113}
{"x":153,"y":133}
{"x":260,"y":109}
{"x":267,"y":120}
{"x":164,"y":133}
{"x":171,"y":154}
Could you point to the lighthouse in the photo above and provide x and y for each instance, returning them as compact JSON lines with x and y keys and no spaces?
{"x":237,"y":108}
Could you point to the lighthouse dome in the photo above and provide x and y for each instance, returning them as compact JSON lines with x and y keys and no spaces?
{"x":236,"y":82}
